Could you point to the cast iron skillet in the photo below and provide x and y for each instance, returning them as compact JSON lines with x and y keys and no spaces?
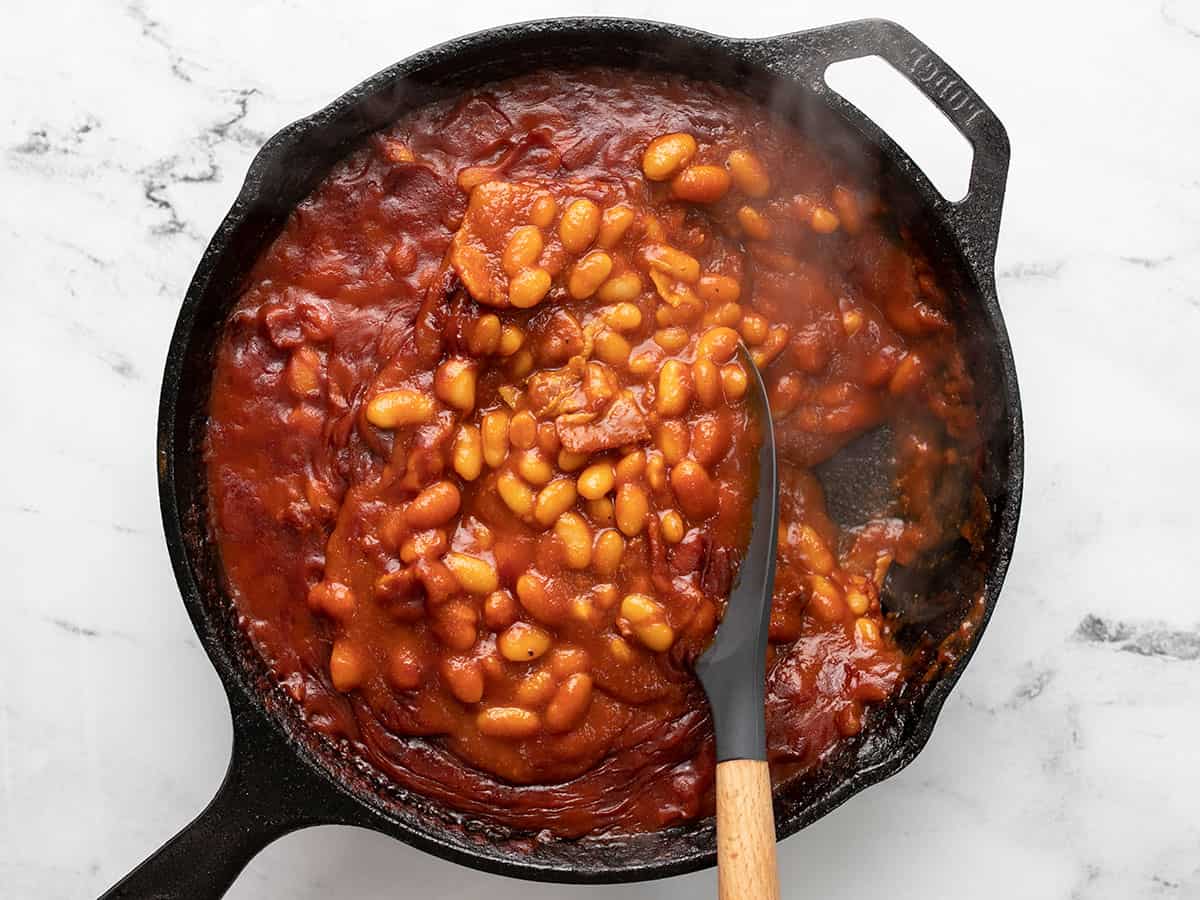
{"x":282,"y":775}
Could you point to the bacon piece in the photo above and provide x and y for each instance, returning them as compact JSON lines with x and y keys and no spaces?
{"x":552,"y":392}
{"x":623,"y":423}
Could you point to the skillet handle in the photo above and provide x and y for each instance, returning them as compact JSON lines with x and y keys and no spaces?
{"x":266,"y":794}
{"x":806,"y":55}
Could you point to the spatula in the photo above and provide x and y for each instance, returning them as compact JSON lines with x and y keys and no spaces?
{"x":733,"y":671}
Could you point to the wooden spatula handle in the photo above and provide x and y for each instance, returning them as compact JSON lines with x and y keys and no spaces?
{"x":746,"y":868}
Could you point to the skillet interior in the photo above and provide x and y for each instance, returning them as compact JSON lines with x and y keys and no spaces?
{"x":935,"y":600}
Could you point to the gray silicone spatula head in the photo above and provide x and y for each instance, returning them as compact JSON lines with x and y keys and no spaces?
{"x":732,"y":669}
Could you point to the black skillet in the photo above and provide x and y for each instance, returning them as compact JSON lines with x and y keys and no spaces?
{"x":282,"y":776}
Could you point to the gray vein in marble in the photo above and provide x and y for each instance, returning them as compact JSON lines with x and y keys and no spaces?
{"x":196,"y":165}
{"x":1053,"y":763}
{"x":1149,"y":262}
{"x":1032,"y":688}
{"x":76,"y":249}
{"x":120,"y":528}
{"x":120,"y":364}
{"x":161,"y":175}
{"x":67,"y":626}
{"x":152,"y":30}
{"x":233,"y":128}
{"x":36,"y":144}
{"x":1172,"y":21}
{"x":1049,"y":269}
{"x":117,"y":527}
{"x":72,"y":628}
{"x":1038,"y":269}
{"x":153,"y":184}
{"x":41,"y":141}
{"x":1145,"y":639}
{"x":1091,"y":874}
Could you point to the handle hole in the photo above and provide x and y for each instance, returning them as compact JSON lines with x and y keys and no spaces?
{"x":909,"y":118}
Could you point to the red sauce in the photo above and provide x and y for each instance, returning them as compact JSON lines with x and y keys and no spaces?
{"x":480,"y":462}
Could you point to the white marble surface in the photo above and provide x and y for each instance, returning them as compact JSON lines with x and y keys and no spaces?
{"x":1065,"y":764}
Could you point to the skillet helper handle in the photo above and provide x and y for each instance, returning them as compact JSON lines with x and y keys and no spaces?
{"x":976,"y":217}
{"x":202,"y":860}
{"x":746,"y":866}
{"x":266,"y":794}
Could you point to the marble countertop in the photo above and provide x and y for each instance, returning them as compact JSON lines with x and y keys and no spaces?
{"x":1065,"y":763}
